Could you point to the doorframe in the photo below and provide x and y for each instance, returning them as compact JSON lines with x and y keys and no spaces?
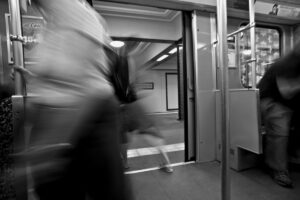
{"x":188,"y":76}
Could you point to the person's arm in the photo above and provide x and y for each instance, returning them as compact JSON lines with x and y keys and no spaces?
{"x":288,"y":87}
{"x":26,"y":74}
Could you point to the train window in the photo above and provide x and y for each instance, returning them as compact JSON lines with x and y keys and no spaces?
{"x":267,"y":51}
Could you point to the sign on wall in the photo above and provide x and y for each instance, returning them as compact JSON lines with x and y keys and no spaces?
{"x":31,"y":29}
{"x":145,"y":86}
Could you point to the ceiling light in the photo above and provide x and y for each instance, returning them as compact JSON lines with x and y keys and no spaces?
{"x":117,"y":44}
{"x":162,"y":57}
{"x":173,"y":50}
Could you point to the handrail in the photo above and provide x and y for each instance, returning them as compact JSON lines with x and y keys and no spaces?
{"x":249,"y":61}
{"x":248,"y":26}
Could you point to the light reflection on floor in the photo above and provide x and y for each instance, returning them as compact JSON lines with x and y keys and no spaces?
{"x":131,"y":153}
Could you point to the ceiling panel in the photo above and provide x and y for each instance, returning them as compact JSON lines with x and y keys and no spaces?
{"x":134,"y":11}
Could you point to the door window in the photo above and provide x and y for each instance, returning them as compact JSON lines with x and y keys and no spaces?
{"x":267,"y":52}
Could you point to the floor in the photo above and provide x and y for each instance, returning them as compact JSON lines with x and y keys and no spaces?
{"x":203,"y":181}
{"x":141,"y":155}
{"x":170,"y":127}
{"x":152,"y":161}
{"x":145,"y":151}
{"x":194,"y":181}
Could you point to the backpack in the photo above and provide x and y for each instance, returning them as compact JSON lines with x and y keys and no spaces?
{"x":119,"y":77}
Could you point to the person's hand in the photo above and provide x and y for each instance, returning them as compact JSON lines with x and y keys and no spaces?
{"x":288,"y":87}
{"x":24,"y":72}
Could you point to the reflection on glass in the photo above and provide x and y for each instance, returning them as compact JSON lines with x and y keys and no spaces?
{"x":267,"y":51}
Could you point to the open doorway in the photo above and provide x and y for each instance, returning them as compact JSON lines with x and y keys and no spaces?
{"x":157,"y":37}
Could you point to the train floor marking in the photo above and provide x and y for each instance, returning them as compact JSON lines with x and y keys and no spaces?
{"x":157,"y":168}
{"x":132,"y":153}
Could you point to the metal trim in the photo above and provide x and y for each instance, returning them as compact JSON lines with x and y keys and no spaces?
{"x":213,"y":30}
{"x":252,"y":41}
{"x":196,"y":81}
{"x":9,"y":55}
{"x":17,"y":46}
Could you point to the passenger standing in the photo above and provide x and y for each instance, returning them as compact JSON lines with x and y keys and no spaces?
{"x":279,"y":94}
{"x":74,"y":146}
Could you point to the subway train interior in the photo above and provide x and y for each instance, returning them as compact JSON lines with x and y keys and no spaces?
{"x":197,"y":86}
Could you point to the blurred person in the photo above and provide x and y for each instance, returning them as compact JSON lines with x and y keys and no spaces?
{"x":6,"y":142}
{"x":134,"y":115}
{"x":74,"y":147}
{"x":279,"y":98}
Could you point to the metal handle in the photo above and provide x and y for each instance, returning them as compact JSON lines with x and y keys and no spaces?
{"x":249,"y":61}
{"x":18,"y":38}
{"x":248,"y":26}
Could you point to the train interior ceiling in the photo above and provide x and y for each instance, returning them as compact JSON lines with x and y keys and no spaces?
{"x":191,"y":121}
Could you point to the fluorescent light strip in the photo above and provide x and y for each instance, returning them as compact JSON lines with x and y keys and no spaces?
{"x":162,"y":57}
{"x":173,"y":50}
{"x":157,"y":168}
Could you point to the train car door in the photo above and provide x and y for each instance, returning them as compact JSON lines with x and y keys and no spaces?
{"x":204,"y":32}
{"x":156,"y":57}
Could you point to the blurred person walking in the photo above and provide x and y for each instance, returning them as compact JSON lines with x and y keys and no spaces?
{"x":133,"y":112}
{"x":6,"y":142}
{"x":74,"y":146}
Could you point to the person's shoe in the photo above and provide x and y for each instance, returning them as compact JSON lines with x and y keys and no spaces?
{"x":282,"y":178}
{"x":126,"y":166}
{"x":167,"y":168}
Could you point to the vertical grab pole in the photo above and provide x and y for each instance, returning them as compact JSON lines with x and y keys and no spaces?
{"x":20,"y":186}
{"x":223,"y":61}
{"x":252,"y":42}
{"x":15,"y":13}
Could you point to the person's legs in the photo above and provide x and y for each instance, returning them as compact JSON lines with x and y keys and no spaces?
{"x":159,"y":143}
{"x":48,"y":151}
{"x":124,"y":148}
{"x":139,"y":120}
{"x":123,"y":135}
{"x":276,"y":119}
{"x":97,"y":160}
